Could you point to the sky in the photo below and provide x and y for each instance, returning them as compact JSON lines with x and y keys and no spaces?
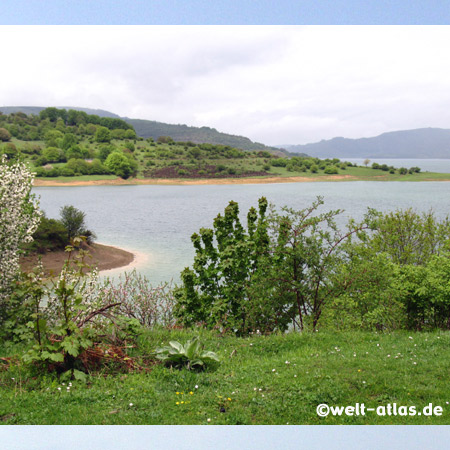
{"x":285,"y":84}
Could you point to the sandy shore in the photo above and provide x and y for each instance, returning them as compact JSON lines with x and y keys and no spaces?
{"x":162,"y":181}
{"x":104,"y":257}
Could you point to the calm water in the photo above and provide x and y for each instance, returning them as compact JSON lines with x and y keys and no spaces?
{"x":157,"y":221}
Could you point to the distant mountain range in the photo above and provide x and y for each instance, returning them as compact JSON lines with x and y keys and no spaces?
{"x":425,"y":143}
{"x":150,"y":128}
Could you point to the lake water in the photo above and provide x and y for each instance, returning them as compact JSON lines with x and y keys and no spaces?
{"x":157,"y":221}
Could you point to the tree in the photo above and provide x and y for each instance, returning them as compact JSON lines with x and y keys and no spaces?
{"x":73,"y":220}
{"x":215,"y":292}
{"x":306,"y":249}
{"x":366,"y":162}
{"x":119,"y":164}
{"x":19,"y":219}
{"x":407,"y":236}
{"x":103,"y":135}
{"x":5,"y":135}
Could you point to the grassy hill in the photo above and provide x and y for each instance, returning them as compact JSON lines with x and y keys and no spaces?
{"x":66,"y":144}
{"x":152,"y":129}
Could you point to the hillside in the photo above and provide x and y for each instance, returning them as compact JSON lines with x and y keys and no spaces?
{"x":152,"y":129}
{"x":420,"y":143}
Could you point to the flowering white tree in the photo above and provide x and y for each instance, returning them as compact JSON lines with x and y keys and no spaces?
{"x":19,"y":218}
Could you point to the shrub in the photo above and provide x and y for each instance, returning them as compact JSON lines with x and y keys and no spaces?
{"x":19,"y":219}
{"x":151,"y":306}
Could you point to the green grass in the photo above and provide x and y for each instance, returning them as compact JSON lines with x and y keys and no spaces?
{"x":276,"y":379}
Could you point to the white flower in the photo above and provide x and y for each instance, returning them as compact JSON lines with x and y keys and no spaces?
{"x":208,"y":420}
{"x":273,"y":370}
{"x":19,"y":219}
{"x":131,"y":404}
{"x":196,"y":386}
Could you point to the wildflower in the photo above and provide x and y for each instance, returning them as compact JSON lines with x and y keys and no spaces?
{"x":295,"y":376}
{"x":196,"y":386}
{"x":177,"y":403}
{"x":364,"y":382}
{"x":182,"y":402}
{"x":229,"y":399}
{"x":59,"y":389}
{"x":191,"y":393}
{"x":254,"y":389}
{"x":259,"y":389}
{"x":388,"y":356}
{"x":287,"y":362}
{"x":359,"y":370}
{"x":131,"y":404}
{"x":177,"y":393}
{"x":410,"y":337}
{"x":208,"y":420}
{"x":273,"y":370}
{"x":13,"y":379}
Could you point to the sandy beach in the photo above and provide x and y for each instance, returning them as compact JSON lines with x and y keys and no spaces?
{"x":213,"y":181}
{"x":104,"y":257}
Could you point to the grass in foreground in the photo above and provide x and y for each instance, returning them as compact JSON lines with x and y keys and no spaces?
{"x":261,"y":380}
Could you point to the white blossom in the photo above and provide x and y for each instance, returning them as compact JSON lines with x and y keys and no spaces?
{"x":19,"y":218}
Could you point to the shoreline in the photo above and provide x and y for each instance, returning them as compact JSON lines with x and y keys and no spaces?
{"x":219,"y":181}
{"x":177,"y":182}
{"x":104,"y":257}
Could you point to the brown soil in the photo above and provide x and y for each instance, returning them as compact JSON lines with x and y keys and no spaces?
{"x":168,"y":181}
{"x":101,"y":256}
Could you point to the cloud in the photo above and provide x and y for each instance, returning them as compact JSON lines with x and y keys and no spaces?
{"x":274,"y":84}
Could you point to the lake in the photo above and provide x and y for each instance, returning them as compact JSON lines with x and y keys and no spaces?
{"x":157,"y":221}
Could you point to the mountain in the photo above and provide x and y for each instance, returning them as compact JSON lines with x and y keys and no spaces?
{"x":153,"y":129}
{"x":425,"y":143}
{"x":37,"y":109}
{"x":198,"y":135}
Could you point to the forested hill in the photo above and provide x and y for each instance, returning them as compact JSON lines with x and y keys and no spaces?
{"x":153,"y":129}
{"x":419,"y":143}
{"x":198,"y":135}
{"x":37,"y":109}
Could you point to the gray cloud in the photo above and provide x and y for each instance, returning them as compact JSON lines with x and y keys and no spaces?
{"x":274,"y":84}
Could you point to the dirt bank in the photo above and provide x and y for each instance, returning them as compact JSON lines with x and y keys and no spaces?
{"x":138,"y":181}
{"x":101,"y":256}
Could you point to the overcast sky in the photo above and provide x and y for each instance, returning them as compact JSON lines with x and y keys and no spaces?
{"x":273,"y":84}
